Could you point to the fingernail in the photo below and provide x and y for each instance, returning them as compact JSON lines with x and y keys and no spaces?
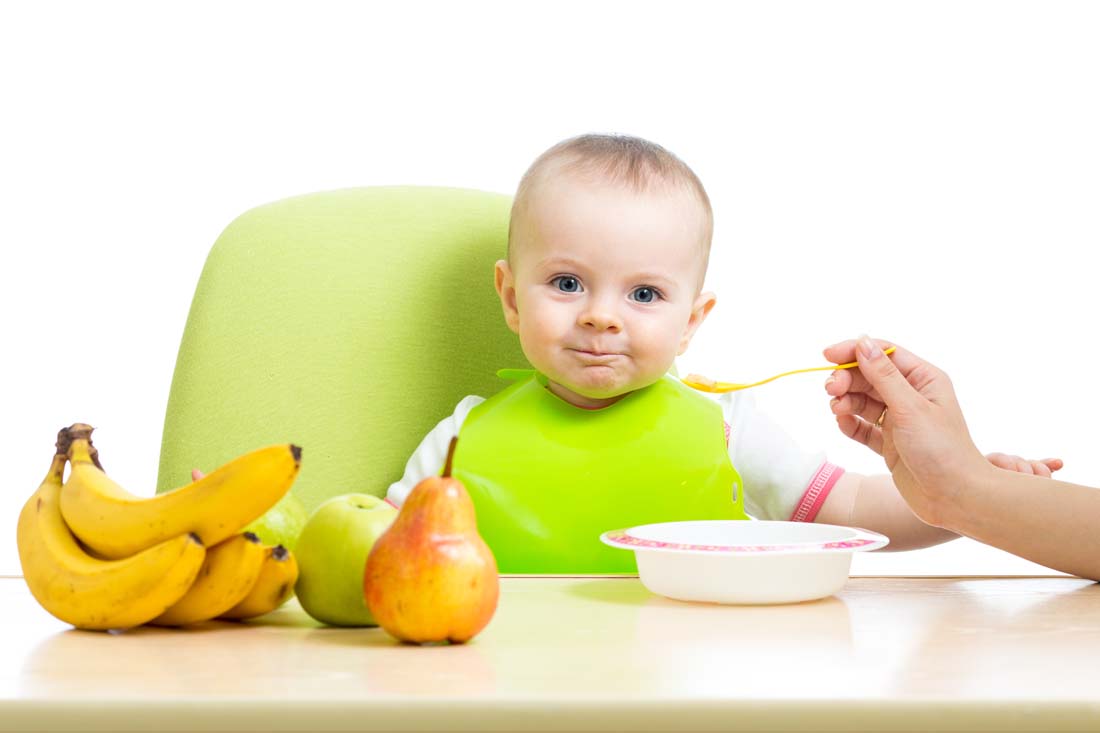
{"x":833,"y":403}
{"x":868,"y":348}
{"x":829,"y":381}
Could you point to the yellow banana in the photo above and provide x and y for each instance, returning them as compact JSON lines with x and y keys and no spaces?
{"x":114,"y":523}
{"x":230,"y":570}
{"x":272,"y":589}
{"x":88,"y":592}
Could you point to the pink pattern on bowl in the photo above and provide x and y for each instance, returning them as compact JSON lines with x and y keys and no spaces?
{"x":622,"y":538}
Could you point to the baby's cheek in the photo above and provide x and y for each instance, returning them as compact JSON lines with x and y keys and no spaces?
{"x":654,"y":362}
{"x":670,"y":345}
{"x":532,"y":347}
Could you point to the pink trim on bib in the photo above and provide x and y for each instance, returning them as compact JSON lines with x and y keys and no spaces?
{"x":391,"y":503}
{"x":820,"y":486}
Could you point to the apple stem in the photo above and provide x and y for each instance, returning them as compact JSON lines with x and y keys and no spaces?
{"x":450,"y":457}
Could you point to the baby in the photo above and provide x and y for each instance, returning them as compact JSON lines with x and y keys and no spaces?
{"x":608,"y":246}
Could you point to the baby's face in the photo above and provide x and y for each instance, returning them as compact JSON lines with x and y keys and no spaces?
{"x":604,"y":286}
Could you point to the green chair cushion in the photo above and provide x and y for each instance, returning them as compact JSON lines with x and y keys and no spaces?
{"x":347,"y":322}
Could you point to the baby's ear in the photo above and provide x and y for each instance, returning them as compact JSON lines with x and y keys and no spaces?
{"x":699,"y":311}
{"x":506,"y":289}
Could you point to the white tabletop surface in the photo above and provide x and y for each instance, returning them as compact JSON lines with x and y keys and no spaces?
{"x":589,"y":653}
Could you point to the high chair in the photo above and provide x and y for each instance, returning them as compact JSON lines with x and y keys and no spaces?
{"x":348,"y":322}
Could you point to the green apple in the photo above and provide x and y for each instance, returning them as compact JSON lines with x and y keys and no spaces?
{"x":332,"y":554}
{"x":282,"y":523}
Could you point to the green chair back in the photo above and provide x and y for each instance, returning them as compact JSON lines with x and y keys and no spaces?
{"x":347,"y":322}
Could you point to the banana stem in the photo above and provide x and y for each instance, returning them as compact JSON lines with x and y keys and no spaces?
{"x":83,"y":431}
{"x":64,"y":440}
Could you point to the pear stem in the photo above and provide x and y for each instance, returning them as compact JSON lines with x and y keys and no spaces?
{"x":450,"y":457}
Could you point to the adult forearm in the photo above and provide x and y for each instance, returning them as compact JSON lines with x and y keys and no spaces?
{"x":1053,"y":523}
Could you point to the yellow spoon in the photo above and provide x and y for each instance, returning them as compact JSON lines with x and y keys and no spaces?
{"x":704,"y":384}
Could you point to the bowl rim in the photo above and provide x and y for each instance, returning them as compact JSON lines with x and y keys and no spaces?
{"x":863,"y":540}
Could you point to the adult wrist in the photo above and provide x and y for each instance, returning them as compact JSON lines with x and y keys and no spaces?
{"x":963,"y":509}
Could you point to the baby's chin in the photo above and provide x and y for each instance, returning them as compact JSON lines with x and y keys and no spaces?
{"x":601,"y":384}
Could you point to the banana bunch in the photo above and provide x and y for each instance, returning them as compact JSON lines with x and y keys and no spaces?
{"x":98,"y":557}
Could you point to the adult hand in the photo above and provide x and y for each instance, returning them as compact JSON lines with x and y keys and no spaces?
{"x":942,"y":476}
{"x":922,"y":434}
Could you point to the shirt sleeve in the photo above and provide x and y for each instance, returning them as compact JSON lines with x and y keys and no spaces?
{"x":782,"y":481}
{"x":427,"y":460}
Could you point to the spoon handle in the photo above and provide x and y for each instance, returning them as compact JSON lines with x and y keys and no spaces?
{"x":703,"y":384}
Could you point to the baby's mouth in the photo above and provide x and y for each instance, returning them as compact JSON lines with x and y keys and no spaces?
{"x":596,"y":356}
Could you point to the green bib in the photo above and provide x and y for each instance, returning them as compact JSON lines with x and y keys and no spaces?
{"x":548,"y":478}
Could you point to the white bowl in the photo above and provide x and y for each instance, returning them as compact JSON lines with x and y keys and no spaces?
{"x":738,"y":561}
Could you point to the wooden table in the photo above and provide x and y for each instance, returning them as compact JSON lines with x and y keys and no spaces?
{"x":589,"y":653}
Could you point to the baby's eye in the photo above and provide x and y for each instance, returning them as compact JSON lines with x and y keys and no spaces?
{"x":567,"y":283}
{"x":646,"y":295}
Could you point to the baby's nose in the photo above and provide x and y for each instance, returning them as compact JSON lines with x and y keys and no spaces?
{"x":603,"y":319}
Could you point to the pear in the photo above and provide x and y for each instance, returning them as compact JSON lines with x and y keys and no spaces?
{"x":430,"y":577}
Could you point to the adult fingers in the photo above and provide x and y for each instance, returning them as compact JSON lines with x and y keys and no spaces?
{"x":839,"y":383}
{"x":844,"y":352}
{"x":1054,"y":464}
{"x":849,"y":380}
{"x":859,"y":404}
{"x":891,"y":385}
{"x":860,"y":431}
{"x":917,"y":371}
{"x":906,"y":361}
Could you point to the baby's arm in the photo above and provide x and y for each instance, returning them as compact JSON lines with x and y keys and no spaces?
{"x":782,"y":481}
{"x":874,"y":503}
{"x":1043,"y":468}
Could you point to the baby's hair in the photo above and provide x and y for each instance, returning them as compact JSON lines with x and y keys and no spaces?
{"x":634,"y":162}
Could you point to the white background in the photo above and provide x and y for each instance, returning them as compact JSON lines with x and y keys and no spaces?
{"x":923,"y":172}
